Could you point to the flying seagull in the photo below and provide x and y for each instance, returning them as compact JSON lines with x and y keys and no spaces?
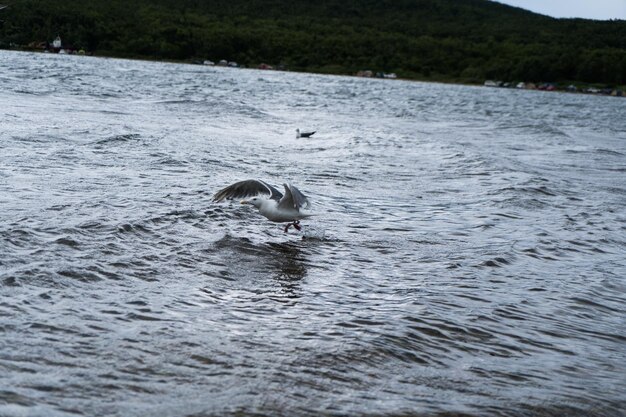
{"x":270,"y":202}
{"x":303,"y":134}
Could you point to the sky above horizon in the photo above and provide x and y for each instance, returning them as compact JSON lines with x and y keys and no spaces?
{"x":586,"y":9}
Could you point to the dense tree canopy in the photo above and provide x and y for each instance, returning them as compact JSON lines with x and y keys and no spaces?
{"x":460,"y":40}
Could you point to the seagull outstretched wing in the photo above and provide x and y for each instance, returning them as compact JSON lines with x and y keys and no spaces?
{"x":247,"y":188}
{"x":293,"y":198}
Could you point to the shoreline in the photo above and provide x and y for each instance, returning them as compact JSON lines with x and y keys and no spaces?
{"x":591,"y":89}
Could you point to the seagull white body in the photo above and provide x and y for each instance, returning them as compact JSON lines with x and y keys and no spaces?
{"x":270,"y":202}
{"x":303,"y":134}
{"x":272,"y":210}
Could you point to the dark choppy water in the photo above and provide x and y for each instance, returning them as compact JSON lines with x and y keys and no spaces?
{"x":469,"y":256}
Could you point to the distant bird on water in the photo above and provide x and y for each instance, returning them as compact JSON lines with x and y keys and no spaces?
{"x":303,"y":134}
{"x":271,"y":203}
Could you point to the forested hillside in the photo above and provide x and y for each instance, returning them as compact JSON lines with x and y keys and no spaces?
{"x":454,"y":40}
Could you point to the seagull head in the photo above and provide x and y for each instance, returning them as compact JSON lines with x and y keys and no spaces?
{"x":254,"y":201}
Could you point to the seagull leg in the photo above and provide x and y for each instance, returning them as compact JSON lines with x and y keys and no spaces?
{"x":295,"y":224}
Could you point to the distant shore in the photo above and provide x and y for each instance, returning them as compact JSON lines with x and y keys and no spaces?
{"x":563,"y":86}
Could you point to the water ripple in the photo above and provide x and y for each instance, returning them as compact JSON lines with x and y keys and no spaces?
{"x":467,"y":256}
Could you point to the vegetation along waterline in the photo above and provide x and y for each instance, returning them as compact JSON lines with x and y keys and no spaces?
{"x":466,"y":41}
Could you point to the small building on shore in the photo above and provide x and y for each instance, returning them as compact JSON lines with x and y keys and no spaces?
{"x":57,"y":44}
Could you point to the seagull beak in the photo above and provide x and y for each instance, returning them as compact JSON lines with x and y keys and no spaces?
{"x":244,"y":202}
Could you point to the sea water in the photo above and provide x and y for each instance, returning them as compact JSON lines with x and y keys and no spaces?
{"x":467,"y":256}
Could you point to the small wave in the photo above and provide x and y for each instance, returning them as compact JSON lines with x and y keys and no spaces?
{"x":495,"y":262}
{"x":508,"y":216}
{"x":171,"y":162}
{"x":543,"y":128}
{"x":11,"y":282}
{"x":229,"y":241}
{"x":66,"y":241}
{"x":313,"y":234}
{"x":604,"y":151}
{"x":79,"y":275}
{"x":530,"y":190}
{"x":128,"y":228}
{"x":112,"y":112}
{"x":118,"y":139}
{"x":33,"y":92}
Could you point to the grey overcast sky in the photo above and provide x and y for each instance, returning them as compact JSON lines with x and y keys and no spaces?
{"x":587,"y":9}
